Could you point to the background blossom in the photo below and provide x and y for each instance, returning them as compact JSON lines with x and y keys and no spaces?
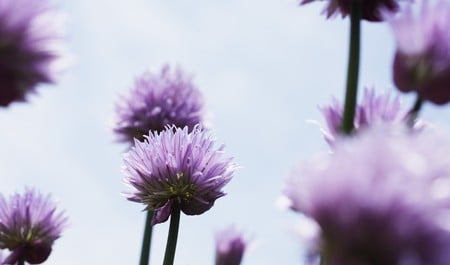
{"x":29,"y":224}
{"x":382,"y":197}
{"x":375,"y":108}
{"x":156,"y":101}
{"x":422,"y":59}
{"x":31,"y":47}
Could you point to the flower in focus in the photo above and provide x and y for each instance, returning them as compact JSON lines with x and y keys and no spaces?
{"x":29,"y":224}
{"x":230,"y":247}
{"x":422,"y":59}
{"x":381,"y":198}
{"x":177,"y":168}
{"x":374,"y":109}
{"x":372,"y":10}
{"x":156,"y":101}
{"x":30,"y":49}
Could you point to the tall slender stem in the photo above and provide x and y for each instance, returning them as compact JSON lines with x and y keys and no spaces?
{"x":21,"y":261}
{"x":351,"y":92}
{"x":147,"y":240}
{"x":173,"y":235}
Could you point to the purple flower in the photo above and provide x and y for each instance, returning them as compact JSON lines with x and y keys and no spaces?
{"x":157,"y":101}
{"x":372,"y":10}
{"x":177,"y":168}
{"x":230,"y":247}
{"x":29,"y":224}
{"x":422,"y":59}
{"x":30,"y":49}
{"x":374,"y":109}
{"x":382,"y":197}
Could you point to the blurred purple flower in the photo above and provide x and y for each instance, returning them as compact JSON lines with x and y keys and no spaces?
{"x":230,"y":247}
{"x":179,"y":167}
{"x":372,"y":10}
{"x":30,"y":47}
{"x":374,"y":109}
{"x":422,"y":59}
{"x":381,"y":198}
{"x":29,"y":224}
{"x":157,"y":101}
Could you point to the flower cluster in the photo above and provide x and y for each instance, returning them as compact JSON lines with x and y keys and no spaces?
{"x":372,"y":10}
{"x":29,"y":224}
{"x":422,"y":59}
{"x":30,"y":48}
{"x":374,"y":109}
{"x":157,"y":101}
{"x":230,"y":247}
{"x":380,"y":198}
{"x":177,"y":168}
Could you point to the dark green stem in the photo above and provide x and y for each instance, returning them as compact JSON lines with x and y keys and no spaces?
{"x":414,"y":112}
{"x":21,"y":261}
{"x":147,"y":240}
{"x":351,"y":92}
{"x":173,"y":235}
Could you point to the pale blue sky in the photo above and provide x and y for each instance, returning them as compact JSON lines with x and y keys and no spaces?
{"x":263,"y":67}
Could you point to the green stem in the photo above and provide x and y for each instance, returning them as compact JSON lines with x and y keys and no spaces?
{"x":21,"y":261}
{"x":353,"y":68}
{"x":414,"y":112}
{"x":147,"y":240}
{"x":173,"y":235}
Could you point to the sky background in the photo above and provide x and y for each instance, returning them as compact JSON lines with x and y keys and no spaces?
{"x":263,"y":66}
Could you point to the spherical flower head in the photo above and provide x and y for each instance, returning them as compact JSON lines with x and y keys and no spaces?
{"x":422,"y":59}
{"x":156,"y":101}
{"x":230,"y":247}
{"x":29,"y":224}
{"x":177,"y":168}
{"x":30,"y":48}
{"x":375,"y":108}
{"x":372,"y":10}
{"x":382,"y":197}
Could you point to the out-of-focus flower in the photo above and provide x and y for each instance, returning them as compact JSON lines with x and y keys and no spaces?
{"x":230,"y":247}
{"x":422,"y":59}
{"x":372,"y":10}
{"x":177,"y":168}
{"x":374,"y":109}
{"x":381,"y":198}
{"x":156,"y":101}
{"x":29,"y":224}
{"x":30,"y":47}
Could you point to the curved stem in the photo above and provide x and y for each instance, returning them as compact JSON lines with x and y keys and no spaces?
{"x":173,"y":235}
{"x":353,"y":68}
{"x":414,"y":112}
{"x":147,"y":240}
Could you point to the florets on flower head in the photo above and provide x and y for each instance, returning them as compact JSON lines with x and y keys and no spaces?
{"x":381,"y":198}
{"x":372,"y":10}
{"x":30,"y":49}
{"x":178,"y":167}
{"x":422,"y":59}
{"x":29,"y":224}
{"x":230,"y":247}
{"x":375,"y":108}
{"x":157,"y":101}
